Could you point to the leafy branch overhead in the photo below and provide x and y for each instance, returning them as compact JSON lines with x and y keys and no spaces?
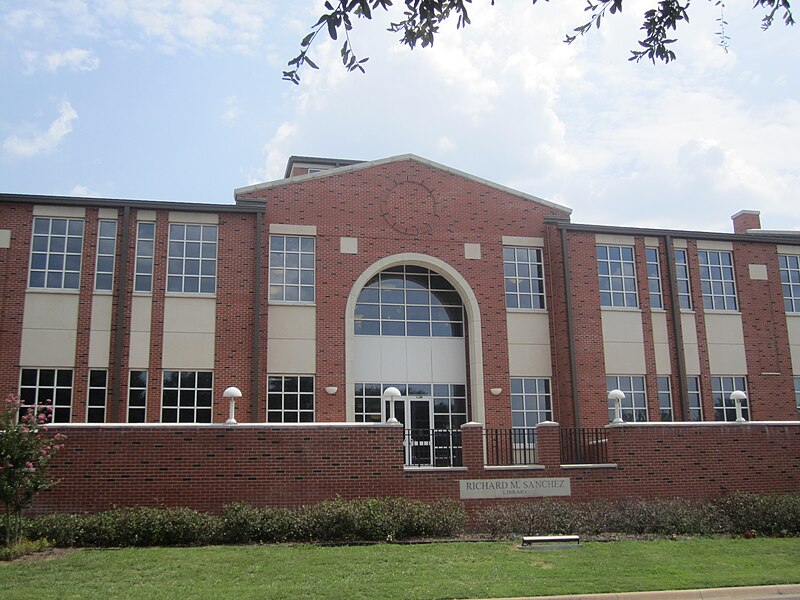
{"x":422,"y":19}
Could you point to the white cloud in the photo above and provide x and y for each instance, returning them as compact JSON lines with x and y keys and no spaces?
{"x":83,"y":191}
{"x":231,"y":112}
{"x":278,"y":150}
{"x":39,"y":143}
{"x":75,"y":59}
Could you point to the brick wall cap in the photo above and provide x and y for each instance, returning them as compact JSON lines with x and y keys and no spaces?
{"x":547,"y":424}
{"x":707,"y":424}
{"x":472,"y":424}
{"x":326,"y":425}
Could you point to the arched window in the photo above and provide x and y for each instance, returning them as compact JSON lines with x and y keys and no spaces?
{"x":409,"y":301}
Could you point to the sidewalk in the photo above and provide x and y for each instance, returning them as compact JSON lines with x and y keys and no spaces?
{"x":764,"y":592}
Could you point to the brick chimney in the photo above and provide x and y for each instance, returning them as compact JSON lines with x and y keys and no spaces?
{"x":746,"y":219}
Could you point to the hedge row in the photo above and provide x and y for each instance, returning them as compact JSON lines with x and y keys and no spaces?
{"x":335,"y":520}
{"x":739,"y":513}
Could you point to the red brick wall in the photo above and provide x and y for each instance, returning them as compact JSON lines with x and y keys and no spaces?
{"x":206,"y":467}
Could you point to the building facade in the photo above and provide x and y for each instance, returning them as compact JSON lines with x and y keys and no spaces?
{"x":315,"y":293}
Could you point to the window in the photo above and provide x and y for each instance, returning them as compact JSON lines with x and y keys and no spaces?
{"x":665,"y":399}
{"x":654,"y":278}
{"x":724,"y":407}
{"x":524,"y":277}
{"x":530,"y":402}
{"x":448,"y":404}
{"x":56,"y":253}
{"x":186,"y":397}
{"x":797,"y":394}
{"x":790,"y":281}
{"x":106,"y":249}
{"x":290,"y":399}
{"x":409,"y":301}
{"x":617,"y":276}
{"x":40,"y":388}
{"x":291,"y":268}
{"x":96,"y":402}
{"x":716,"y":280}
{"x":192,"y":266}
{"x":634,"y":405}
{"x":682,"y":277}
{"x":145,"y":248}
{"x":137,"y":397}
{"x":695,"y":405}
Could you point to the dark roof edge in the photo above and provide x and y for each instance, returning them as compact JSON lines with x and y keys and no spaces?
{"x":122,"y":202}
{"x":317,"y":160}
{"x":753,"y":235}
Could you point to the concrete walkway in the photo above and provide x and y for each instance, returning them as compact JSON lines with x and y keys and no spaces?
{"x":763,"y":592}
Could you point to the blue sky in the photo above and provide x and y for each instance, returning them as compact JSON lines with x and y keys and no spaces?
{"x":183,"y":101}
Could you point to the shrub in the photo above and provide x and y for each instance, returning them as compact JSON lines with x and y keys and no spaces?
{"x":23,"y":548}
{"x":761,"y":514}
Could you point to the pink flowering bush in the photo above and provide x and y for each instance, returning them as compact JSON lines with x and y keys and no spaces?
{"x":25,"y":454}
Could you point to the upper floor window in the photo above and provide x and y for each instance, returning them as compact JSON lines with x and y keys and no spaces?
{"x":716,"y":279}
{"x":56,"y":253}
{"x":682,"y":278}
{"x":145,"y":250}
{"x":524,"y":277}
{"x":44,"y":389}
{"x":724,"y":407}
{"x":106,"y":249}
{"x":695,"y":405}
{"x":409,"y":301}
{"x":291,"y":268}
{"x":617,"y":275}
{"x":790,"y":281}
{"x":192,"y":266}
{"x":186,"y":396}
{"x":531,"y":402}
{"x":634,"y":405}
{"x":654,"y":278}
{"x":665,"y":398}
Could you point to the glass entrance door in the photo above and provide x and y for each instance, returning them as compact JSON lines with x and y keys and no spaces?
{"x":416,"y":415}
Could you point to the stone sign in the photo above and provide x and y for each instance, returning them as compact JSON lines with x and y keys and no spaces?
{"x":472,"y":489}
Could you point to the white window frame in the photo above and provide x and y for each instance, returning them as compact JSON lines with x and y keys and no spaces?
{"x":695,"y":399}
{"x":106,"y":256}
{"x":666,"y":412}
{"x":145,"y":256}
{"x":717,"y":280}
{"x":523,"y":274}
{"x":654,"y":277}
{"x":531,"y":401}
{"x":192,"y":258}
{"x":634,"y":405}
{"x":288,"y":405}
{"x":722,"y":386}
{"x":790,"y":281}
{"x":682,"y":278}
{"x":287,"y":262}
{"x":201,"y":397}
{"x":49,"y":260}
{"x":616,"y":273}
{"x":137,"y":390}
{"x":97,"y":396}
{"x":59,"y":393}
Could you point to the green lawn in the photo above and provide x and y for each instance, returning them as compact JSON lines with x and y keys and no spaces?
{"x":444,"y":570}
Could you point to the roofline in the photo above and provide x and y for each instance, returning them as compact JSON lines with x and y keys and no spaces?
{"x":752,"y":235}
{"x":392,"y":159}
{"x":122,"y":202}
{"x":317,"y":160}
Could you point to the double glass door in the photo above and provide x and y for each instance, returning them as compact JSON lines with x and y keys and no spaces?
{"x":425,"y":446}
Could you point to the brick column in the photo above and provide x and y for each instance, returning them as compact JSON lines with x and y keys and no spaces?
{"x":548,"y":444}
{"x":472,"y":446}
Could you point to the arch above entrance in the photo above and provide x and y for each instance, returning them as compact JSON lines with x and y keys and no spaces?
{"x":474,"y":331}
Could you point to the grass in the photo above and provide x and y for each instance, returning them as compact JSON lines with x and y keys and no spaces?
{"x":444,"y":570}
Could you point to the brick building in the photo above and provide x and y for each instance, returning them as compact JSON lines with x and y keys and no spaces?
{"x":315,"y":293}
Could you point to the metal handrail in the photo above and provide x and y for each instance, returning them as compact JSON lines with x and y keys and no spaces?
{"x":506,"y":447}
{"x":432,"y":447}
{"x":584,"y":445}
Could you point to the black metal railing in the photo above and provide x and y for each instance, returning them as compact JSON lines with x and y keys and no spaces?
{"x":584,"y":446}
{"x":433,"y":447}
{"x":506,"y":447}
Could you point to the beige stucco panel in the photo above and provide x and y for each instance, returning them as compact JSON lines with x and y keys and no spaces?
{"x":727,"y":359}
{"x":529,"y":360}
{"x":101,"y":311}
{"x":188,"y":351}
{"x":286,"y":357}
{"x":139,"y":353}
{"x":724,"y":328}
{"x":663,"y":364}
{"x":5,"y":238}
{"x":141,"y":313}
{"x":99,"y":348}
{"x":50,"y":311}
{"x":189,"y":315}
{"x":793,"y":325}
{"x":661,"y":343}
{"x":47,"y":348}
{"x":623,"y":326}
{"x":691,"y":356}
{"x":46,"y":210}
{"x":528,"y":328}
{"x":401,"y":360}
{"x":514,"y":240}
{"x":203,"y":218}
{"x":292,"y":322}
{"x":624,"y":358}
{"x":714,"y":245}
{"x":615,"y":240}
{"x":689,"y":328}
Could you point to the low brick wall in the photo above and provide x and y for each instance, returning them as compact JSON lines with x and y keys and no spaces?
{"x":206,"y":467}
